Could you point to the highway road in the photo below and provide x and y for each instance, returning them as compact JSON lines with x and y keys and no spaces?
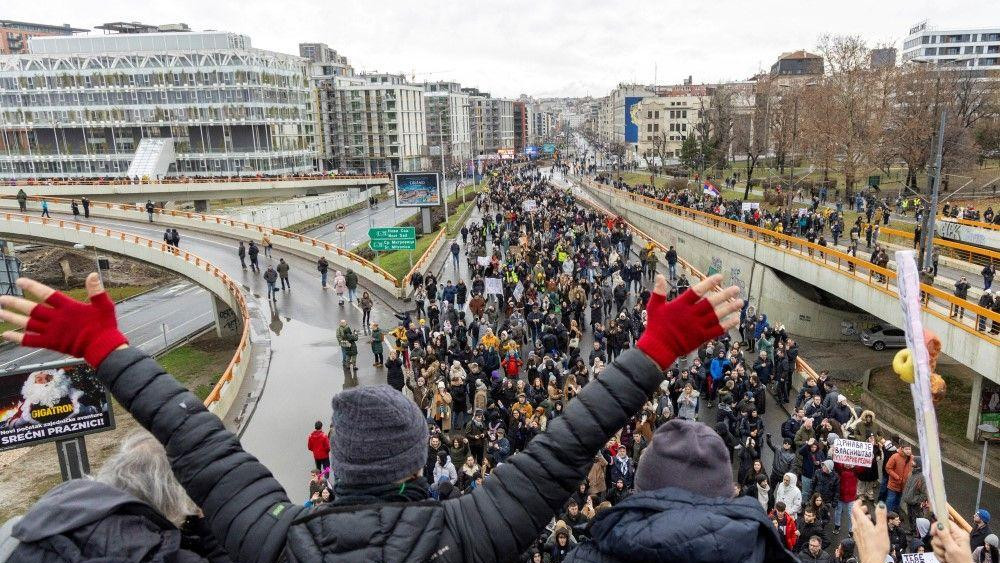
{"x":305,"y":366}
{"x":182,"y":306}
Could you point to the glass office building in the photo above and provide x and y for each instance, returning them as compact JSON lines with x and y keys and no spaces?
{"x":79,"y":106}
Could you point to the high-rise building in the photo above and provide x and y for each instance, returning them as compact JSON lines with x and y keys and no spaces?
{"x":80,"y":106}
{"x":14,"y":35}
{"x":372,"y":123}
{"x":446,"y":109}
{"x":521,"y":129}
{"x":884,"y":57}
{"x":975,"y":49}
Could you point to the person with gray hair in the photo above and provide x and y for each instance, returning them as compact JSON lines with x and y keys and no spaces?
{"x":132,"y":509}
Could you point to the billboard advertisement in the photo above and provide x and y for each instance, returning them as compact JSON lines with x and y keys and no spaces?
{"x":549,"y":148}
{"x":631,"y":128}
{"x":53,"y":402}
{"x":417,"y":189}
{"x":531,"y":150}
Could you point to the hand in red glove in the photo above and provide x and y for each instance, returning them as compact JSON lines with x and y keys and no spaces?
{"x":61,"y":323}
{"x":673,"y":329}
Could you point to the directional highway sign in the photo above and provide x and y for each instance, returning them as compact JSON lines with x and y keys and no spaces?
{"x":393,"y":244}
{"x":392,"y":233}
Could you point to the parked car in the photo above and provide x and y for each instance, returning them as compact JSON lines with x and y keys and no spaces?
{"x":881,"y":337}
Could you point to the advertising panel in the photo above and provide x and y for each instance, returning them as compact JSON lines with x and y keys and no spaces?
{"x":631,"y":127}
{"x":531,"y":150}
{"x":417,"y":189}
{"x":53,"y":402}
{"x":549,"y":148}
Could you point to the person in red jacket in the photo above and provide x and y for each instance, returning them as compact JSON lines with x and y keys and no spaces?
{"x":848,"y":494}
{"x":319,"y":445}
{"x":511,"y":365}
{"x":787,"y":528}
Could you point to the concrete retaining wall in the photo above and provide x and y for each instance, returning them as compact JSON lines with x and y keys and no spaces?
{"x":280,"y":215}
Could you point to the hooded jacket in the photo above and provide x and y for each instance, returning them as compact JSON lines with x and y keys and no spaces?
{"x":251,"y":515}
{"x":675,"y":525}
{"x":89,"y":520}
{"x":789,"y":494}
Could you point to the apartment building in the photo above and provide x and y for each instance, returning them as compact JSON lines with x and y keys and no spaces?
{"x":975,"y":49}
{"x":521,"y":130}
{"x":664,"y":121}
{"x":447,"y":110}
{"x":325,"y":61}
{"x":372,"y":123}
{"x":80,"y":106}
{"x":14,"y":35}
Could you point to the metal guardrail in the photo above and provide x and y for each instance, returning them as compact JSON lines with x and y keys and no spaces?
{"x":237,"y":362}
{"x":961,"y":251}
{"x":937,"y":302}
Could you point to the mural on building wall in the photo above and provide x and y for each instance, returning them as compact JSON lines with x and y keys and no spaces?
{"x":631,"y":128}
{"x":715,"y":266}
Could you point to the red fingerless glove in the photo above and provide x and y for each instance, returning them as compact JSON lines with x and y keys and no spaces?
{"x":673,"y":329}
{"x":82,"y":330}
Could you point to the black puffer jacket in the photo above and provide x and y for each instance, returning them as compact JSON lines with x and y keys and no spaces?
{"x":674,"y":525}
{"x":84,"y":520}
{"x":250,"y":513}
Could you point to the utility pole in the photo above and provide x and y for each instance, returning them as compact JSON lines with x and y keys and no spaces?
{"x":928,"y":232}
{"x":444,"y":179}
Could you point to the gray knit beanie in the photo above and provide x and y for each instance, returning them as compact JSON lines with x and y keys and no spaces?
{"x":378,"y":436}
{"x":687,"y":455}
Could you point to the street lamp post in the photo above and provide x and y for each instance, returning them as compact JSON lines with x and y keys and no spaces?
{"x":988,"y":429}
{"x":444,"y":179}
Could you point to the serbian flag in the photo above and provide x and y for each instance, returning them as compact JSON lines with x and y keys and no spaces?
{"x":709,"y":189}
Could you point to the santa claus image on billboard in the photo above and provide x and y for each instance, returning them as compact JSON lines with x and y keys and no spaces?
{"x":47,"y":396}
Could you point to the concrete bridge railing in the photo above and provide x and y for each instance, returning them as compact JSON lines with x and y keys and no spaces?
{"x":293,"y":243}
{"x":853,"y":279}
{"x":191,"y":266}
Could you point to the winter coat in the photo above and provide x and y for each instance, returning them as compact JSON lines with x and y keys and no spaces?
{"x":806,"y":557}
{"x":898,"y":469}
{"x":350,"y":280}
{"x":339,"y":283}
{"x":251,"y":513}
{"x":673,"y":524}
{"x":596,"y":480}
{"x":827,"y":485}
{"x":318,"y":444}
{"x":781,"y":461}
{"x":394,"y":373}
{"x":789,"y":494}
{"x":85,"y":520}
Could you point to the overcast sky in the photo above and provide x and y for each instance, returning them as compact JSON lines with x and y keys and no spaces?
{"x":539,"y":47}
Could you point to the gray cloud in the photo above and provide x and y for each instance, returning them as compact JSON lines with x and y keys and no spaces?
{"x":538,"y":47}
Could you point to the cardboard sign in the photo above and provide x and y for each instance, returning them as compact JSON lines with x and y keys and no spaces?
{"x":493,"y":286}
{"x":529,"y":205}
{"x":852,"y":452}
{"x":518,"y":291}
{"x":483,"y":260}
{"x":919,"y":558}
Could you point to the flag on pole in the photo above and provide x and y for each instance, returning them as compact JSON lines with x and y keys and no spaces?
{"x":709,"y":189}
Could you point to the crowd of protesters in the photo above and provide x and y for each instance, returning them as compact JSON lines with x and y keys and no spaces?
{"x":646,"y":445}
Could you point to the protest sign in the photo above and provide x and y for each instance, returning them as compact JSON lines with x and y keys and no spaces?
{"x":493,"y":286}
{"x":529,"y":205}
{"x":483,"y":260}
{"x":919,"y":558}
{"x":518,"y":291}
{"x":852,"y":452}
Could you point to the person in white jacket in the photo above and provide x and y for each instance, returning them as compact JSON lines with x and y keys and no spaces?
{"x":789,"y":493}
{"x":445,"y":468}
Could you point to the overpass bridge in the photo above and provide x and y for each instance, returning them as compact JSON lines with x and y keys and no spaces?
{"x":754,"y":258}
{"x":197,"y":190}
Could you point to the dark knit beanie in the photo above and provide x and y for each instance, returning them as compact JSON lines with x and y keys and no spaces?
{"x":378,"y":436}
{"x":687,"y":455}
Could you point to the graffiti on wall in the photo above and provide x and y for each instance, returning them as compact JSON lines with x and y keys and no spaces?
{"x":736,"y":278}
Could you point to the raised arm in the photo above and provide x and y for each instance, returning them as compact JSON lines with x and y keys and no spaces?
{"x":521,"y":496}
{"x":246,"y":508}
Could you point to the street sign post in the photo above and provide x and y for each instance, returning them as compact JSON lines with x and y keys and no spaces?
{"x":393,"y":244}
